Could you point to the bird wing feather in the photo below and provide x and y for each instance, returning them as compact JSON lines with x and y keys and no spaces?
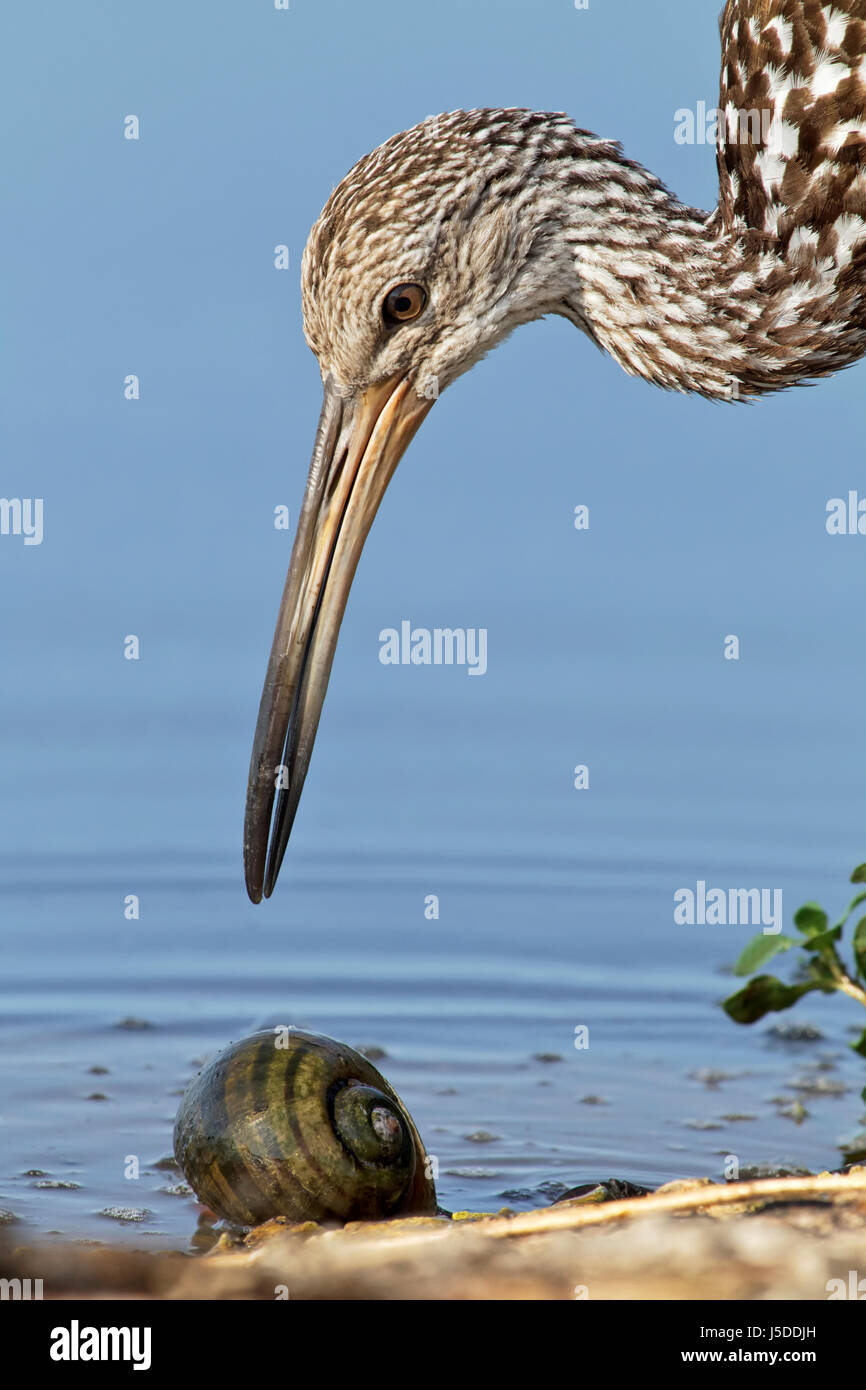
{"x":792,"y":129}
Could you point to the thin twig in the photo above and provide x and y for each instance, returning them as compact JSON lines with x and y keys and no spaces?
{"x":564,"y":1218}
{"x":851,"y":988}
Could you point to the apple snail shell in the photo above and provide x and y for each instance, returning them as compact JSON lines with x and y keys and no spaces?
{"x":288,"y":1123}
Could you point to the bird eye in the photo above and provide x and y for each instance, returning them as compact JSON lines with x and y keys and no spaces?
{"x":404,"y":302}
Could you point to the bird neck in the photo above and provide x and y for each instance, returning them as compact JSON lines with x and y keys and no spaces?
{"x":677,"y":297}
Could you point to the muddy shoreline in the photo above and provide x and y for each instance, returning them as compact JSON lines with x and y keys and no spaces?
{"x":792,"y":1239}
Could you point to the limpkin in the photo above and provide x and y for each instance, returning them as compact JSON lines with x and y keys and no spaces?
{"x":439,"y":243}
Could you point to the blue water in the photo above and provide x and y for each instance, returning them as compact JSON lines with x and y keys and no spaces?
{"x":556,"y":906}
{"x":605,"y":647}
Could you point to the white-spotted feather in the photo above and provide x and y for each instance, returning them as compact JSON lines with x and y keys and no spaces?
{"x":506,"y":215}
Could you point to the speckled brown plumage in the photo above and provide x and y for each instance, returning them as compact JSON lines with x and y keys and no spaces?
{"x":511,"y":214}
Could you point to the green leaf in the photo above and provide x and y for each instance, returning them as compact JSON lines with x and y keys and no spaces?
{"x":763,"y":995}
{"x":860,"y":1046}
{"x":860,"y":947}
{"x":810,"y":918}
{"x":855,"y":902}
{"x":822,"y":940}
{"x":859,"y":874}
{"x":761,"y":949}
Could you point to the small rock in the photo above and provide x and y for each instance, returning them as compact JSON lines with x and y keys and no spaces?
{"x":97,"y":1095}
{"x":593,"y":1100}
{"x":126,"y":1213}
{"x":795,"y":1032}
{"x":482,"y":1136}
{"x":280,"y":1225}
{"x":473,"y":1173}
{"x":794,"y":1110}
{"x":547,"y":1057}
{"x":98,"y":1071}
{"x":854,"y":1148}
{"x":711,"y":1076}
{"x":552,"y":1188}
{"x":613,"y":1190}
{"x":751,"y":1171}
{"x":133,"y":1024}
{"x":819,"y":1086}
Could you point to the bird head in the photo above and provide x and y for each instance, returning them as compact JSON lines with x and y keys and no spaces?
{"x":432,"y":249}
{"x":426,"y":255}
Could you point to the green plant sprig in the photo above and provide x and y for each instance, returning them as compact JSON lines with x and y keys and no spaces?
{"x":822,"y":967}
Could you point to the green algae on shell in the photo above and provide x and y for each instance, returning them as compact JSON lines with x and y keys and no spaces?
{"x":290,"y":1123}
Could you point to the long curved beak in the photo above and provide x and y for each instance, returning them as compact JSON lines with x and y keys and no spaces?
{"x":359,"y":442}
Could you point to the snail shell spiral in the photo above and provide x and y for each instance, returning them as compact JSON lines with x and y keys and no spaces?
{"x":294,"y":1124}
